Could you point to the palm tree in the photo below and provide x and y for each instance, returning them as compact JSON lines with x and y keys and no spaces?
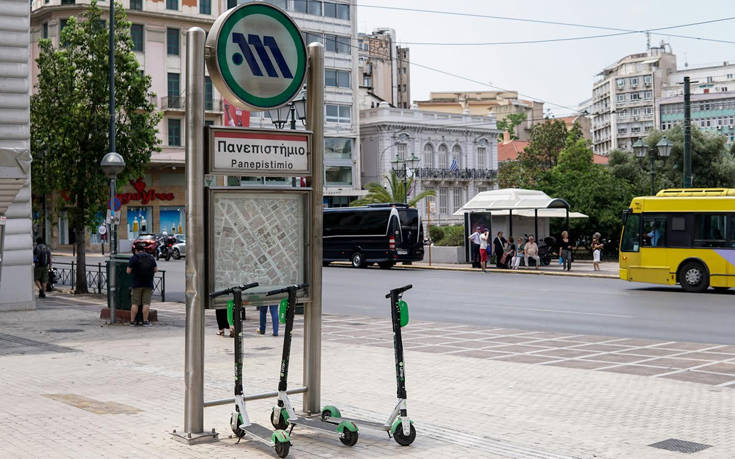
{"x":377,"y":193}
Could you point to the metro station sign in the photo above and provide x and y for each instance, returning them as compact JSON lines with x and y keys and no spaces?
{"x":259,"y":152}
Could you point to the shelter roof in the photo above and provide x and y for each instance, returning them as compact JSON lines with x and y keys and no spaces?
{"x":520,"y":201}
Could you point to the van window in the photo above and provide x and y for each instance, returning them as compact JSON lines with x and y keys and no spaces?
{"x":409,"y":219}
{"x":374,"y":222}
{"x":355,"y":222}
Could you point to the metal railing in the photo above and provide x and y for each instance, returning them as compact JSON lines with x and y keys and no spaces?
{"x":441,"y":173}
{"x":97,"y":277}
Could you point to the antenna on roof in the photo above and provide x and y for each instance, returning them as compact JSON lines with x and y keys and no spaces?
{"x":648,"y":39}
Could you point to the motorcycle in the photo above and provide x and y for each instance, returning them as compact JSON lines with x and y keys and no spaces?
{"x":165,"y":248}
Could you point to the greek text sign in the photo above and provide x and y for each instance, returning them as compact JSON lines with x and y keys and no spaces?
{"x":259,"y":152}
{"x":256,"y":56}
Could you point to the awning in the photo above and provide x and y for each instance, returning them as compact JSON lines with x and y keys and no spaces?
{"x":520,"y":202}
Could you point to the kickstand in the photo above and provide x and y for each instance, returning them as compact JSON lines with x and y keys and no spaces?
{"x":238,"y":440}
{"x":291,"y":429}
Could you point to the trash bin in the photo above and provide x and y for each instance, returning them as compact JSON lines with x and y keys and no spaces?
{"x":123,"y":281}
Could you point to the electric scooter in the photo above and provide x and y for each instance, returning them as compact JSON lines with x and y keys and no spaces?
{"x":283,"y":414}
{"x":239,"y":420}
{"x":398,"y":425}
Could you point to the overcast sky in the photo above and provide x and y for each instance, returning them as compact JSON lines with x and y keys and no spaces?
{"x":562,"y":72}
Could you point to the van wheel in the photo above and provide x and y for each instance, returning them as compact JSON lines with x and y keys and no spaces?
{"x":693,"y":277}
{"x":386,"y":264}
{"x":357,"y":260}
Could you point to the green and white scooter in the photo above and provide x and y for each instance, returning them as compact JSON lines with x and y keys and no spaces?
{"x":283,"y":414}
{"x":239,"y":420}
{"x":398,"y":425}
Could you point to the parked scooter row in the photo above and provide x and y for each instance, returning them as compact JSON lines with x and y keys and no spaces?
{"x":283,"y":417}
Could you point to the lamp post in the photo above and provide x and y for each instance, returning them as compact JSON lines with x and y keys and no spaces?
{"x":296,"y":109}
{"x":112,"y":164}
{"x":663,"y":149}
{"x":407,"y":163}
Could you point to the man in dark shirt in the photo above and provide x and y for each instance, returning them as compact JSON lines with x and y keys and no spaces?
{"x":143,"y":267}
{"x":41,"y":262}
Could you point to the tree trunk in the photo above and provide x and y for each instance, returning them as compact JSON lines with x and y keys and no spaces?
{"x":81,"y":284}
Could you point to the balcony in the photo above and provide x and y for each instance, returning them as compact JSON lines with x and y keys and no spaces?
{"x":433,"y":173}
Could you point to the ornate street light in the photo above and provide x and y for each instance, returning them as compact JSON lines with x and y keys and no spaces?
{"x":663,"y":149}
{"x":407,"y":164}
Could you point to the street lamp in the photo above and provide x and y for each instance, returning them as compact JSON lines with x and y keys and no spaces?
{"x":112,"y":164}
{"x":407,"y":164}
{"x":663,"y":148}
{"x":295,"y":109}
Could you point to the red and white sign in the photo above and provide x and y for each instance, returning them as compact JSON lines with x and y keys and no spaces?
{"x":235,"y":116}
{"x":259,"y":152}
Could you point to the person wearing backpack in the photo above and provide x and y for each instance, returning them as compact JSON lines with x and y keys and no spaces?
{"x":41,"y":263}
{"x":143,"y":267}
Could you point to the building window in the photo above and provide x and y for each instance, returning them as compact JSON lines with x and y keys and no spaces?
{"x":172,"y":5}
{"x":635,"y":96}
{"x":339,"y":113}
{"x":338,"y":175}
{"x":457,"y":155}
{"x":620,"y":97}
{"x":172,"y":42}
{"x":343,"y":11}
{"x":481,"y":158}
{"x":45,"y":30}
{"x":67,"y":2}
{"x":279,"y":3}
{"x":647,"y":95}
{"x":443,"y":157}
{"x":620,"y":82}
{"x":310,"y":37}
{"x":337,"y":44}
{"x":174,"y":132}
{"x":428,"y":155}
{"x":634,"y":82}
{"x":330,"y":9}
{"x":647,"y":80}
{"x":314,"y":7}
{"x":443,"y":201}
{"x":205,"y":6}
{"x":709,"y":79}
{"x":458,"y":200}
{"x":299,"y":6}
{"x":136,"y":33}
{"x":337,"y":78}
{"x":337,"y":148}
{"x":208,"y":94}
{"x":174,"y":82}
{"x":136,"y":5}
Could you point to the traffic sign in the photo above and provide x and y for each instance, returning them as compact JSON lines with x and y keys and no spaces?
{"x":102,"y":229}
{"x":256,"y":56}
{"x":118,"y":204}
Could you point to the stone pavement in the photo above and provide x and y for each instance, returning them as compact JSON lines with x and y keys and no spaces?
{"x":76,"y":387}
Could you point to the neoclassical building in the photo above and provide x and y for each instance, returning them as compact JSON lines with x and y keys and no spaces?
{"x":458,"y":154}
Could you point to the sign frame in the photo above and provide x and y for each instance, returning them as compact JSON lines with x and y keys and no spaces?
{"x":226,"y":83}
{"x":209,"y":159}
{"x":254,"y":297}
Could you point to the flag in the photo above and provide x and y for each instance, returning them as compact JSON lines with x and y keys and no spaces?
{"x":454,"y":166}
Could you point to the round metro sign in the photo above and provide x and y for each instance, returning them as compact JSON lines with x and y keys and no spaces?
{"x":256,"y":56}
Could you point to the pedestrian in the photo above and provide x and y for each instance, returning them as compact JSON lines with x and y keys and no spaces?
{"x":222,"y":323}
{"x":498,"y":248}
{"x":475,"y":247}
{"x":530,"y":250}
{"x":566,"y":250}
{"x":41,"y":264}
{"x":143,"y":267}
{"x":483,"y":249}
{"x":274,"y":318}
{"x":597,"y":247}
{"x":518,"y":256}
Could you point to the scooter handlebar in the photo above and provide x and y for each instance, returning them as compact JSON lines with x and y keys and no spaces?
{"x":227,"y":291}
{"x":399,"y":290}
{"x":286,"y":289}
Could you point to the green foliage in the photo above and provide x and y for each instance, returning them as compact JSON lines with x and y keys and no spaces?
{"x":453,"y":236}
{"x":436,"y":233}
{"x":509,"y":124}
{"x":378,"y":194}
{"x":70,"y":118}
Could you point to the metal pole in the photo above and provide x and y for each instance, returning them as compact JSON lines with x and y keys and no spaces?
{"x":293,"y":117}
{"x":313,"y":314}
{"x":428,"y":225}
{"x":112,"y":75}
{"x":405,"y":183}
{"x":111,"y":135}
{"x":113,"y":250}
{"x":687,"y":135}
{"x":535,"y":224}
{"x":653,"y":176}
{"x":195,"y":288}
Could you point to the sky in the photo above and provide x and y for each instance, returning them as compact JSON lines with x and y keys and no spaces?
{"x":559,"y":73}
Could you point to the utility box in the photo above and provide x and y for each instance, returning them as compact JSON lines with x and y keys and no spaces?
{"x":123,"y":281}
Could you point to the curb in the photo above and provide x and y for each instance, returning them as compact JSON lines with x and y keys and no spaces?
{"x":493,"y":270}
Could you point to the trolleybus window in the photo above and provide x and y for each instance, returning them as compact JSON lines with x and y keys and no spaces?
{"x":654,"y":230}
{"x":709,"y":230}
{"x":631,"y":233}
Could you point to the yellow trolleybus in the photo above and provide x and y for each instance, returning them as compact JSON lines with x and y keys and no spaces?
{"x":684,"y":236}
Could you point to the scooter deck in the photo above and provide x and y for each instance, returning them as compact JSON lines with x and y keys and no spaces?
{"x":360,"y":423}
{"x":259,"y":432}
{"x":314,"y":423}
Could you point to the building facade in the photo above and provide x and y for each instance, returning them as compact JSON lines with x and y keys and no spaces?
{"x":384,"y":68}
{"x":712,"y":100}
{"x":458,"y":154}
{"x":624,"y":98}
{"x":159,"y":36}
{"x":499,"y":103}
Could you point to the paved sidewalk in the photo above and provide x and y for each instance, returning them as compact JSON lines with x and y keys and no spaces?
{"x":75,"y":387}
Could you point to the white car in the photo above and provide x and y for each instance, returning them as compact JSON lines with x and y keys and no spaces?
{"x":179,"y":249}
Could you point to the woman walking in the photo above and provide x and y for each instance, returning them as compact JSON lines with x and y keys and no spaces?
{"x":597,"y":247}
{"x":565,"y":251}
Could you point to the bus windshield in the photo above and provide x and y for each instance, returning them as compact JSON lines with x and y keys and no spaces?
{"x":631,"y":234}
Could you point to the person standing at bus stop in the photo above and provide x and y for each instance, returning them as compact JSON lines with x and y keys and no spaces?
{"x":143,"y":267}
{"x":483,"y":249}
{"x":475,"y":247}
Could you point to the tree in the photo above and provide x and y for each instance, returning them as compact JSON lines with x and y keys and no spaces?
{"x":377,"y":193}
{"x":70,"y":118}
{"x":509,"y":124}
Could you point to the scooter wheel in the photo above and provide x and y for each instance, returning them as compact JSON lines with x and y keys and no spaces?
{"x":282,"y":448}
{"x":236,"y":426}
{"x":326,"y":414}
{"x":279,"y":421}
{"x":402,"y":439}
{"x":349,"y":438}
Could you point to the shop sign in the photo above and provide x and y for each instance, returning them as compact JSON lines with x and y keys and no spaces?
{"x":259,"y":152}
{"x":143,"y":195}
